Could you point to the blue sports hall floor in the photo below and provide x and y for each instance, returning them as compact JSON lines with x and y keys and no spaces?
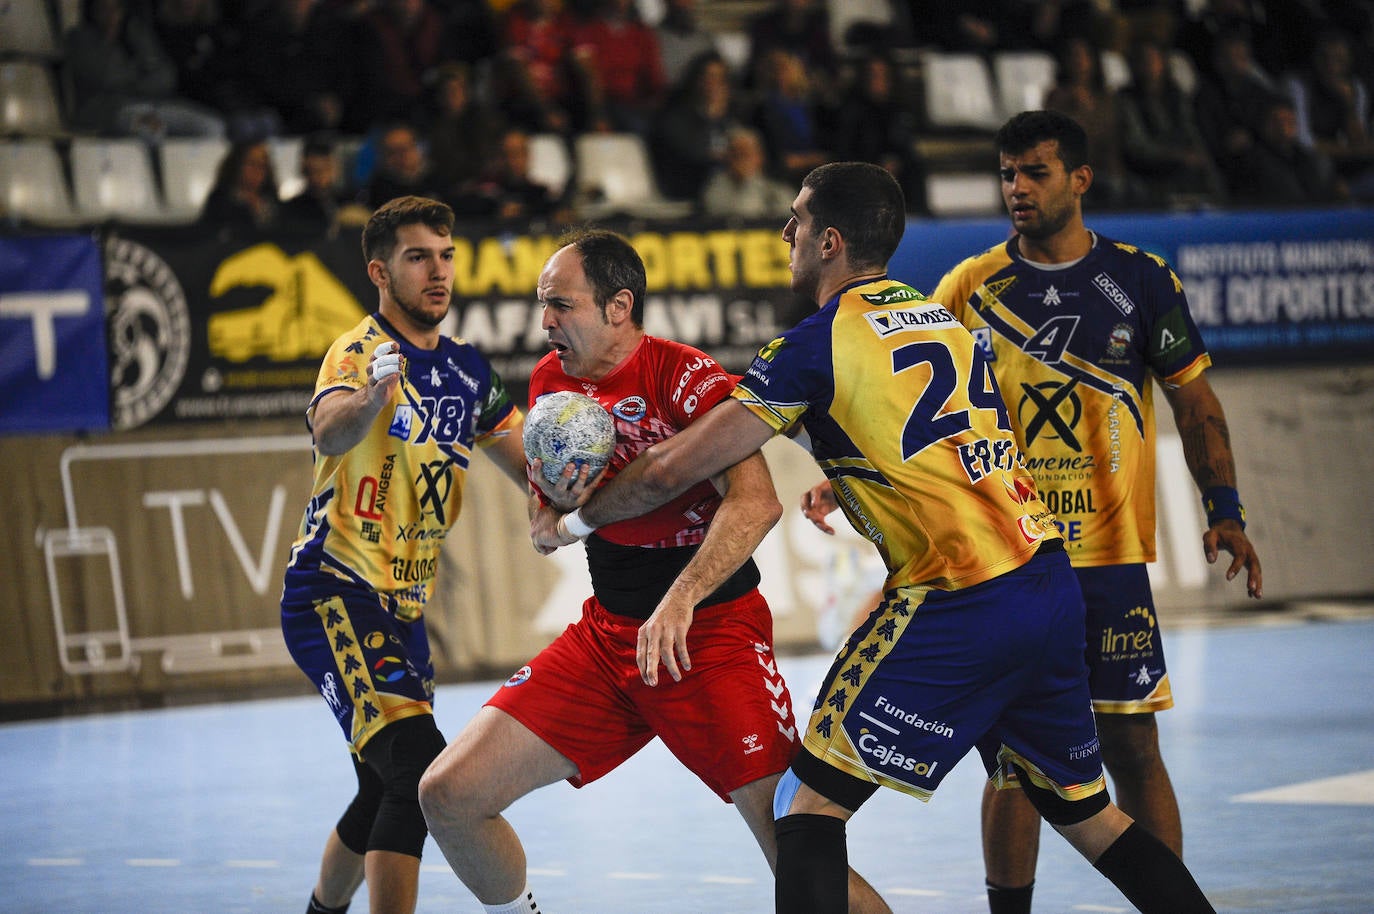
{"x":223,"y":808}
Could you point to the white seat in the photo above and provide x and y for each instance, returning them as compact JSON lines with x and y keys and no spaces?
{"x":615,"y":175}
{"x":959,"y":93}
{"x":845,"y":14}
{"x":28,"y":100}
{"x":33,"y":186}
{"x":974,"y":193}
{"x":286,"y":164}
{"x":1023,"y":78}
{"x":1182,"y":70}
{"x":113,"y":179}
{"x":189,"y":165}
{"x":1116,"y":72}
{"x":734,"y":47}
{"x":26,"y":28}
{"x":550,"y":162}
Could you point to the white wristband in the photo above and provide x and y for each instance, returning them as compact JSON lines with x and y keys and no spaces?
{"x":575,"y":525}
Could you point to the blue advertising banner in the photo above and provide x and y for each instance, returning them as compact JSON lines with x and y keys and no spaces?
{"x":1264,"y":287}
{"x":53,"y":368}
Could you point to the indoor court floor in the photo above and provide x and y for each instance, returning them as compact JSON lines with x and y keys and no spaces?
{"x":223,"y":808}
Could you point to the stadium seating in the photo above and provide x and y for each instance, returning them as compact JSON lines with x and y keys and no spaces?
{"x":1022,"y":79}
{"x":188,"y":173}
{"x":286,"y":164}
{"x":26,"y":28}
{"x":615,"y":176}
{"x":959,"y":92}
{"x":33,"y":184}
{"x":550,"y":162}
{"x":28,"y":100}
{"x":113,"y":179}
{"x":974,"y":193}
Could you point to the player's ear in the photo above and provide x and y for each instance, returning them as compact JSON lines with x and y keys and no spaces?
{"x":376,"y":271}
{"x":1082,"y":178}
{"x":620,"y":306}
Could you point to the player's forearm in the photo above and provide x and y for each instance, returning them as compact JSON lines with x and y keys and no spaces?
{"x":735,"y":532}
{"x":343,"y":420}
{"x":1206,"y":440}
{"x":636,"y":490}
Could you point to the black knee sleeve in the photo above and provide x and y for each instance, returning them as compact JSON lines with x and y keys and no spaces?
{"x":1056,"y":810}
{"x":356,"y":823}
{"x":813,"y":865}
{"x":399,"y":754}
{"x":1150,"y":875}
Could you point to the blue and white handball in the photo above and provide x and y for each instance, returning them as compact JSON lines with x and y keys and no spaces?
{"x":568,"y":427}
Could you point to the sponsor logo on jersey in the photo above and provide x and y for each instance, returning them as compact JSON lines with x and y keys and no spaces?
{"x":1114,"y":293}
{"x":885,"y":756}
{"x":401,"y":422}
{"x":519,"y":677}
{"x":631,"y":409}
{"x":1119,"y":341}
{"x":389,"y":669}
{"x":330,"y":691}
{"x":892,"y":296}
{"x":886,"y":323}
{"x":983,"y":337}
{"x":751,"y":744}
{"x":1052,"y":296}
{"x":913,"y":718}
{"x":1069,"y":501}
{"x":1051,"y":409}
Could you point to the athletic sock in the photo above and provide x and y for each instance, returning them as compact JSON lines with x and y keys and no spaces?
{"x":813,"y":865}
{"x":317,"y":908}
{"x":523,"y":903}
{"x":1151,"y":876}
{"x":1005,"y":900}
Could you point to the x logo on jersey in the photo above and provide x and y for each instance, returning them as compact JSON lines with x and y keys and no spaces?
{"x":1046,"y":407}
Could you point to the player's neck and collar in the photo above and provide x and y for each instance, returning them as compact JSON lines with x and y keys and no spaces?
{"x":419,"y":335}
{"x":828,"y":291}
{"x":616,"y":355}
{"x":1061,"y":250}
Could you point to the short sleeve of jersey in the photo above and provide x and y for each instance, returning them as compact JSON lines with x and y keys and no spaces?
{"x":791,"y":373}
{"x":1174,"y":348}
{"x":345,"y":365}
{"x":497,"y":411}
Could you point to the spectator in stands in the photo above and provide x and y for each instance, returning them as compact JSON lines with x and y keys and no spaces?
{"x":538,"y":86}
{"x":876,"y":124}
{"x":1332,"y":106}
{"x":800,"y":27}
{"x":402,"y":169}
{"x":296,"y":60}
{"x":463,"y":131}
{"x":620,"y":57}
{"x":681,"y":40}
{"x":325,"y":203}
{"x":1231,"y":97}
{"x":1160,"y":141}
{"x":122,"y":80}
{"x":1080,"y":92}
{"x":688,"y":138}
{"x":743,"y":188}
{"x":789,"y":116}
{"x":507,"y":193}
{"x":195,"y":37}
{"x":470,"y":31}
{"x":243,"y":201}
{"x":968,"y":26}
{"x":1278,"y":170}
{"x":399,"y":44}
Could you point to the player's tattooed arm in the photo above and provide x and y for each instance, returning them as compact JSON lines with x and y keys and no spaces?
{"x":1205,"y":435}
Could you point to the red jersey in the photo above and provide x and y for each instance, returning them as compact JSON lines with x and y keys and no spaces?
{"x":659,"y":390}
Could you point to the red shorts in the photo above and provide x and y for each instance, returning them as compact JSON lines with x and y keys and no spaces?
{"x":729,"y":720}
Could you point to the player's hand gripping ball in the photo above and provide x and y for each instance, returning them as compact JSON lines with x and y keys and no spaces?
{"x":568,"y":427}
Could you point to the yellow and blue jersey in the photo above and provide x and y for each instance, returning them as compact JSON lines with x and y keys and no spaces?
{"x":1074,"y":348}
{"x":378,"y":514}
{"x":907,"y":423}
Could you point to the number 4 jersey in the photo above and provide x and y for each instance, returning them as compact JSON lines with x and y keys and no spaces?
{"x":379,"y":513}
{"x":907,"y":423}
{"x":1073,"y":348}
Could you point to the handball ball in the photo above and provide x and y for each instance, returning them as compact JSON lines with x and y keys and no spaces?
{"x":568,"y":427}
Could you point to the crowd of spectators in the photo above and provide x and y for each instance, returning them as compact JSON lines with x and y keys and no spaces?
{"x":447,"y":93}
